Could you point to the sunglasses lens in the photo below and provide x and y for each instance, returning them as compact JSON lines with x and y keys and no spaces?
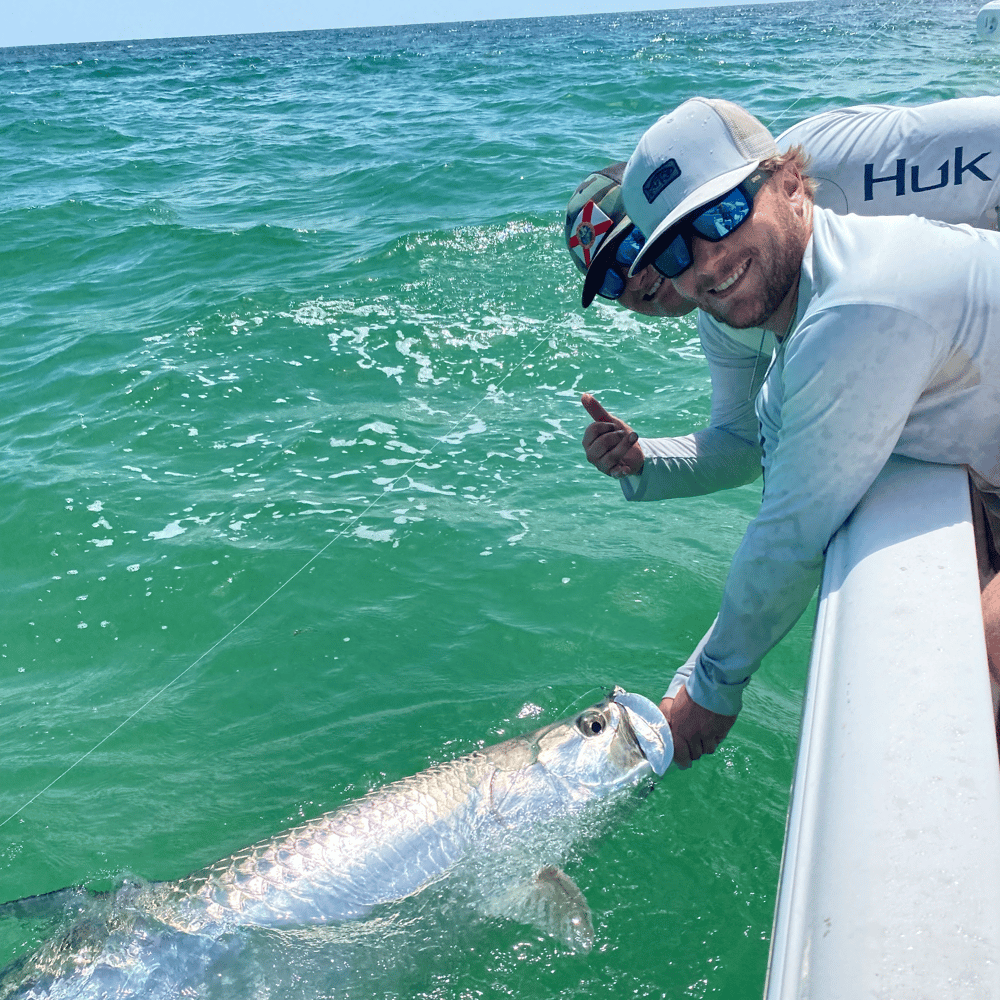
{"x":613,"y":284}
{"x":629,"y":248}
{"x":674,"y":259}
{"x":720,"y":219}
{"x":713,"y":223}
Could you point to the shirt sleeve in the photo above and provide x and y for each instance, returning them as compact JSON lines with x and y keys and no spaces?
{"x":685,"y":670}
{"x":724,"y":454}
{"x":831,"y":414}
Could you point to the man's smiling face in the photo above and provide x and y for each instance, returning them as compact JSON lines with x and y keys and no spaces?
{"x":750,"y":277}
{"x":649,"y":293}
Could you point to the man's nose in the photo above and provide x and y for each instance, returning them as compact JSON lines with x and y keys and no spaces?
{"x":705,"y":253}
{"x":643,"y":279}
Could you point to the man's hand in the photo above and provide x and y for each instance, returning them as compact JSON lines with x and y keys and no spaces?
{"x":696,"y":730}
{"x":610,"y":443}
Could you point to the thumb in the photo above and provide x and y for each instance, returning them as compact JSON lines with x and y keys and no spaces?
{"x":595,"y":409}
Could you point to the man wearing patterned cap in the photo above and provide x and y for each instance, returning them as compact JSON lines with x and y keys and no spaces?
{"x":847,"y":300}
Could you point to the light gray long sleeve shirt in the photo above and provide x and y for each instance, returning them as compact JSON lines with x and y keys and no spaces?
{"x":726,"y":453}
{"x":895,"y":347}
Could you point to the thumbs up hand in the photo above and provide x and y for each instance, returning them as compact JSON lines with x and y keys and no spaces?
{"x":610,"y":444}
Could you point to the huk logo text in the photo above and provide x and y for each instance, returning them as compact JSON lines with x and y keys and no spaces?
{"x":942,"y":177}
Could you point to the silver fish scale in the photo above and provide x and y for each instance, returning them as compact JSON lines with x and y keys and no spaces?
{"x":338,"y":866}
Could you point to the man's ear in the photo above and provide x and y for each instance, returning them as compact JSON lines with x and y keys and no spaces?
{"x":792,"y":186}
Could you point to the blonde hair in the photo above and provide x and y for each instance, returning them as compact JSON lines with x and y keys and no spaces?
{"x":800,"y":159}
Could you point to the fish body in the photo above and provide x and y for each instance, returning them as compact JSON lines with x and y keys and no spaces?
{"x":393,"y":842}
{"x":402,"y":836}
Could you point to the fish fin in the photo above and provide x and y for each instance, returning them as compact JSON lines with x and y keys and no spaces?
{"x":57,"y":903}
{"x":551,"y":902}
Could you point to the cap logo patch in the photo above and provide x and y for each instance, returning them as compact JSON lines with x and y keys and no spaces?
{"x":660,"y":179}
{"x":588,"y":231}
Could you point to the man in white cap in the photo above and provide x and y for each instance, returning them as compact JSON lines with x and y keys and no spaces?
{"x":937,"y":160}
{"x":887,"y":335}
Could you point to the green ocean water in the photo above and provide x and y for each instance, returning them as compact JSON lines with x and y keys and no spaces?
{"x":292,"y":499}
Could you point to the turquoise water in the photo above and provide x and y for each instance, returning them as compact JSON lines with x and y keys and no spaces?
{"x":292,"y":500}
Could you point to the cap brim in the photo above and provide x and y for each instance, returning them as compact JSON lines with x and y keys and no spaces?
{"x":715,"y":188}
{"x":600,"y":263}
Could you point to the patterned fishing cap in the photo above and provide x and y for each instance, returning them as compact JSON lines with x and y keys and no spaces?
{"x":596,"y":222}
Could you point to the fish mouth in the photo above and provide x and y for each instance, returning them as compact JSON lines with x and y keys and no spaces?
{"x":648,"y":726}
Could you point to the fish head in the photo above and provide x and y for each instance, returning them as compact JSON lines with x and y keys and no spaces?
{"x":609,"y":746}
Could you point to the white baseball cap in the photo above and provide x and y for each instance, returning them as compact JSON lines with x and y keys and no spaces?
{"x":701,"y":150}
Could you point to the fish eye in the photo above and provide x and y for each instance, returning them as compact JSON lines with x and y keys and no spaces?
{"x":591,"y":723}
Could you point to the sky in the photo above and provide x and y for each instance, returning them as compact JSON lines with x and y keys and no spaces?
{"x":46,"y":22}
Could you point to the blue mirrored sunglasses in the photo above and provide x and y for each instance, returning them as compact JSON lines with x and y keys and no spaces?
{"x":614,"y":283}
{"x":672,"y":254}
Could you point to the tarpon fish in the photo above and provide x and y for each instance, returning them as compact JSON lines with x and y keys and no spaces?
{"x":381,"y":848}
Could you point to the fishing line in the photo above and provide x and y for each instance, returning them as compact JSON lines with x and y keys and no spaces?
{"x":815,"y":89}
{"x":583,"y":700}
{"x":340,"y":534}
{"x":386,"y":491}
